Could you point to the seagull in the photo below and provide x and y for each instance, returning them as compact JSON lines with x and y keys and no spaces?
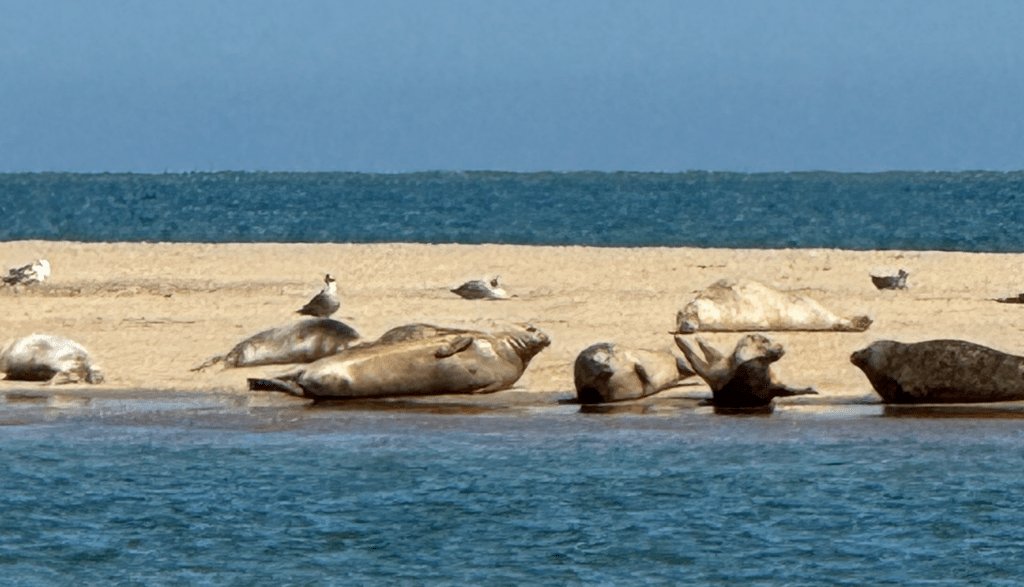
{"x":898,"y":281}
{"x":324,"y":303}
{"x":479,"y":289}
{"x":35,"y":272}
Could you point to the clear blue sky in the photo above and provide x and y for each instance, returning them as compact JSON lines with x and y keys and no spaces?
{"x":403,"y":85}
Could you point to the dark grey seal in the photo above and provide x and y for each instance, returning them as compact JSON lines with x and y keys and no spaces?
{"x":44,"y":357}
{"x":606,"y":372}
{"x":458,"y":363}
{"x":324,"y":303}
{"x":744,"y":378}
{"x":941,"y":371}
{"x":898,"y":281}
{"x":301,"y":342}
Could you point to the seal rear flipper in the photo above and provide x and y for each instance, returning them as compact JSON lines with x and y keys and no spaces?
{"x":456,"y":346}
{"x":208,"y":363}
{"x":281,"y":385}
{"x":783,"y":391}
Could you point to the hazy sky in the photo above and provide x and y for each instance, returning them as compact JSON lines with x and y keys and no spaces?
{"x":403,"y":85}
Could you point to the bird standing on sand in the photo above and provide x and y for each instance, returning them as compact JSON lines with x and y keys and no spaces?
{"x":324,"y":303}
{"x":479,"y":289}
{"x":35,"y":272}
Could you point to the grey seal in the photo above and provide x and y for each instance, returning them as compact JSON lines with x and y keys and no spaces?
{"x":941,"y":371}
{"x":301,"y":342}
{"x":744,"y":378}
{"x":45,"y":357}
{"x":324,"y":303}
{"x":607,"y":372}
{"x":458,"y":363}
{"x":743,"y":305}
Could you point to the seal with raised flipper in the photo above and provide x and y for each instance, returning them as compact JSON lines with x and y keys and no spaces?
{"x":300,"y":342}
{"x":456,"y":363}
{"x":45,"y":357}
{"x":744,"y":378}
{"x":607,"y":372}
{"x":742,"y":305}
{"x":941,"y":371}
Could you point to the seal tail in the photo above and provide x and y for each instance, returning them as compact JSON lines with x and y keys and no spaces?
{"x":208,"y":363}
{"x":281,"y":385}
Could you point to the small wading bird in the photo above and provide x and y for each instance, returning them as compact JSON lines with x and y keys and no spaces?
{"x":324,"y":303}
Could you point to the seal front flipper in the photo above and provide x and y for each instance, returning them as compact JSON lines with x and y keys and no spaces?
{"x":456,"y":346}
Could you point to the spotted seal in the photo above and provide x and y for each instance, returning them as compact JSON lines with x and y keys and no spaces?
{"x":941,"y":371}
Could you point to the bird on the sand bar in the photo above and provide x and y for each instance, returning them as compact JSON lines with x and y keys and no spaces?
{"x":324,"y":303}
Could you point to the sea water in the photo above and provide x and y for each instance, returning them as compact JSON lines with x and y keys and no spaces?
{"x":549,"y":496}
{"x":513,"y":499}
{"x":966,"y":211}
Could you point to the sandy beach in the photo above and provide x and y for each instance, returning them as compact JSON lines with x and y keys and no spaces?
{"x":150,"y":312}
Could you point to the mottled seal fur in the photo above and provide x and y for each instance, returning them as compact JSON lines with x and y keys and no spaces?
{"x":458,"y":363}
{"x":941,"y":371}
{"x":607,"y":372}
{"x":44,"y":357}
{"x":479,"y":289}
{"x":300,"y":342}
{"x":744,"y":378}
{"x":898,"y":281}
{"x":744,"y":306}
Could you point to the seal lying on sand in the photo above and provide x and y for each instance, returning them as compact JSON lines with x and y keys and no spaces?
{"x":35,"y":272}
{"x":898,"y":281}
{"x":444,"y":364}
{"x":301,"y":342}
{"x":479,"y":289}
{"x":744,"y":378}
{"x":1017,"y":299}
{"x":324,"y":303}
{"x":44,"y":357}
{"x":941,"y":371}
{"x":606,"y":372}
{"x":743,"y":306}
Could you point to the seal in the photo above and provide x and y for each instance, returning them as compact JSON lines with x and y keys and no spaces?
{"x":940,"y":371}
{"x":744,"y":378}
{"x":744,"y":306}
{"x":458,"y":363}
{"x":898,"y":281}
{"x":37,"y":271}
{"x":45,"y":357}
{"x":324,"y":303}
{"x":301,"y":342}
{"x":606,"y":372}
{"x":479,"y":289}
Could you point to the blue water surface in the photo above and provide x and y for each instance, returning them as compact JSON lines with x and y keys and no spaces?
{"x":970,"y":211}
{"x":397,"y":498}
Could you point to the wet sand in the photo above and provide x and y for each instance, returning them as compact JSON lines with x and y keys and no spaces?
{"x":150,"y":312}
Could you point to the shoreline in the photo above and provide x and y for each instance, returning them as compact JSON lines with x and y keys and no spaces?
{"x":148,"y":312}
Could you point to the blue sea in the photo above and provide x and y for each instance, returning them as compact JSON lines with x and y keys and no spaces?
{"x":125,"y":494}
{"x":964,"y":211}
